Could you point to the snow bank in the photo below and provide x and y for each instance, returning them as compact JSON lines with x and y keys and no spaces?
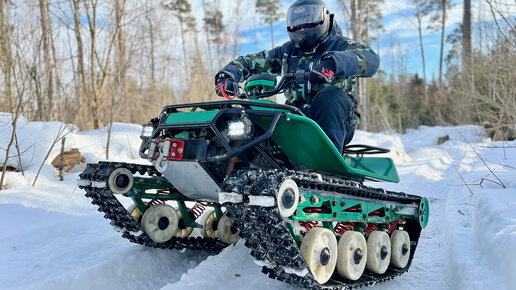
{"x":36,"y":138}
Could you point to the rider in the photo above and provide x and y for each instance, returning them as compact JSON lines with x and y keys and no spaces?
{"x":334,"y":62}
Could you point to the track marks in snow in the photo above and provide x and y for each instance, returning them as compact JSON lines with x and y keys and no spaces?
{"x":48,"y":250}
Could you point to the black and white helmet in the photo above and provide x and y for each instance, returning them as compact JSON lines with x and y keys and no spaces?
{"x":308,"y":22}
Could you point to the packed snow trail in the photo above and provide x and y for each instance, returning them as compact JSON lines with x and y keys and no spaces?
{"x":51,"y":237}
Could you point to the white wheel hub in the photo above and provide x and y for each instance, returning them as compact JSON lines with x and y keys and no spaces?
{"x":160,"y":222}
{"x":182,"y":230}
{"x":352,"y":256}
{"x":120,"y":181}
{"x":319,"y":249}
{"x":378,"y":252}
{"x":209,"y":224}
{"x":227,"y":232}
{"x":287,"y":198}
{"x":400,"y":241}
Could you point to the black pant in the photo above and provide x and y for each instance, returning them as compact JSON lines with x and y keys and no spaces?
{"x":334,"y":111}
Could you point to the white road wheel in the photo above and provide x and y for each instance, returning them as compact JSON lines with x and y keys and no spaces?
{"x":135,"y":212}
{"x":288,"y":197}
{"x":182,"y":230}
{"x":227,"y":232}
{"x":160,"y":222}
{"x":319,"y":249}
{"x":120,"y":181}
{"x":352,"y":257}
{"x":378,"y":252}
{"x":209,"y":224}
{"x":400,"y":241}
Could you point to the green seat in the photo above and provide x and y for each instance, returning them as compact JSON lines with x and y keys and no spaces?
{"x":308,"y":147}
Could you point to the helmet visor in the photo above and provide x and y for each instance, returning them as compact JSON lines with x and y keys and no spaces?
{"x":304,"y":16}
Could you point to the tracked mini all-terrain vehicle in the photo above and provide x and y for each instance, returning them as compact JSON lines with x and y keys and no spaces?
{"x":264,"y":172}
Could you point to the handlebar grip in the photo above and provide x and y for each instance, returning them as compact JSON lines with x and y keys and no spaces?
{"x":302,"y":75}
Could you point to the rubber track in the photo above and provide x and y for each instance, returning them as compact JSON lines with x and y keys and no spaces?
{"x":121,"y":219}
{"x":269,"y":239}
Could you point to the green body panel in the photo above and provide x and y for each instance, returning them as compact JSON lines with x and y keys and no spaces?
{"x":191,"y":117}
{"x":307,"y":146}
{"x":335,"y":210}
{"x":265,"y":84}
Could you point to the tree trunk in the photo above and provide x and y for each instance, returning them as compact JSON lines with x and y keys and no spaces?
{"x":208,"y":41}
{"x":148,"y":17}
{"x":467,"y":49}
{"x":46,"y":35}
{"x":360,"y":88}
{"x":419,"y":17}
{"x":272,"y":34}
{"x":81,"y":86}
{"x":443,"y":33}
{"x":6,"y":61}
{"x":183,"y":42}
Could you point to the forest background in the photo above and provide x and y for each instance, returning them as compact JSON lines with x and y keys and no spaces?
{"x":95,"y":62}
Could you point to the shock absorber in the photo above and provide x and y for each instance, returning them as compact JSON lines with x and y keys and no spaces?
{"x":392,"y":227}
{"x":370,"y":229}
{"x":342,"y":227}
{"x":198,"y":209}
{"x":308,"y":225}
{"x":155,"y":201}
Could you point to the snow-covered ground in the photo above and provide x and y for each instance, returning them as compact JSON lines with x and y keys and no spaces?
{"x":51,"y":237}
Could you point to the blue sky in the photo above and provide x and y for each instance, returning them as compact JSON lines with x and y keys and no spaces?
{"x":399,"y":24}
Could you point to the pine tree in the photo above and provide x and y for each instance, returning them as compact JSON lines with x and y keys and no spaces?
{"x":271,"y":13}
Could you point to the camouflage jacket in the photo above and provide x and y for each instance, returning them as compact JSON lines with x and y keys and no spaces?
{"x":352,"y":60}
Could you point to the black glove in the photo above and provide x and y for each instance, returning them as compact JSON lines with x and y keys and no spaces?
{"x":323,"y":73}
{"x":226,"y":83}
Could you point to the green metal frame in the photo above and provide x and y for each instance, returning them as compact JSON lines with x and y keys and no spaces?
{"x":336,"y":209}
{"x":138,"y":192}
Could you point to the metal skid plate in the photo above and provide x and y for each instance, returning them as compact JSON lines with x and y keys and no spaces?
{"x":190,"y":178}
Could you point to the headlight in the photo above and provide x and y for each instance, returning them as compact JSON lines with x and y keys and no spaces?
{"x":240,"y":129}
{"x":147,"y":131}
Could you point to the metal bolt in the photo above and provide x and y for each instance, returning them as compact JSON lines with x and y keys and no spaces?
{"x":335,"y":214}
{"x":173,"y":154}
{"x":296,"y":212}
{"x":314,"y":199}
{"x":334,"y":203}
{"x":342,"y":203}
{"x":174,"y":144}
{"x":180,"y":150}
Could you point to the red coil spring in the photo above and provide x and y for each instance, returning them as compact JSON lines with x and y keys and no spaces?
{"x":155,"y":201}
{"x":392,"y":227}
{"x":198,"y":209}
{"x":370,"y":229}
{"x":341,"y":228}
{"x":308,"y":225}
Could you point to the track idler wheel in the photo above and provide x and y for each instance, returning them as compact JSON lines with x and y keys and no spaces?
{"x":209,"y":224}
{"x":423,"y":212}
{"x":182,"y":230}
{"x":378,"y":252}
{"x":352,"y":256}
{"x":288,"y":198}
{"x":160,"y":222}
{"x":120,"y":181}
{"x":319,"y":249}
{"x":400,"y":241}
{"x":227,"y":232}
